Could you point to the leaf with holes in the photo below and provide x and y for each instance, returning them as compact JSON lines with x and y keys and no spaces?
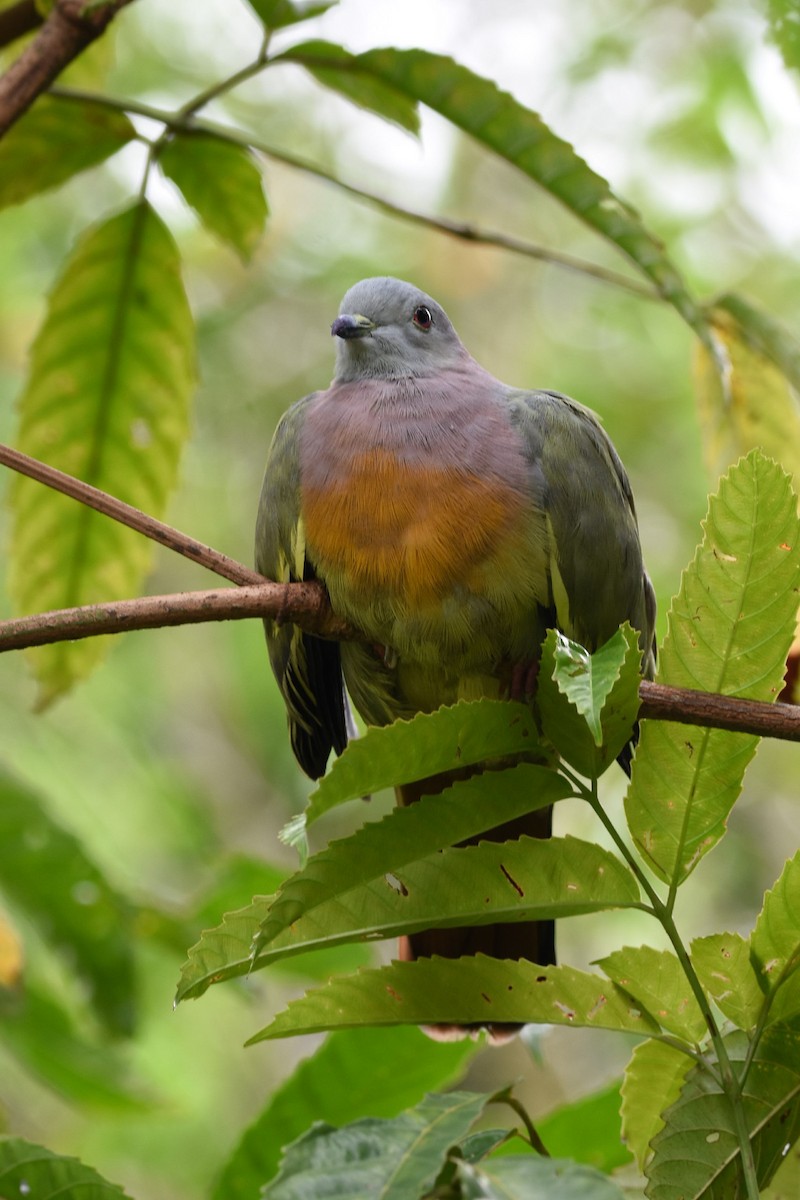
{"x":355,"y":1073}
{"x":775,"y":943}
{"x":407,"y":834}
{"x":476,"y":989}
{"x":728,"y":631}
{"x":657,"y":980}
{"x":697,"y":1152}
{"x":724,"y":967}
{"x":107,"y":400}
{"x":223,"y":184}
{"x":55,"y":140}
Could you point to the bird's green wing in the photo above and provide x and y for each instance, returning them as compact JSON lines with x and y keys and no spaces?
{"x":595,"y":560}
{"x":308,"y":669}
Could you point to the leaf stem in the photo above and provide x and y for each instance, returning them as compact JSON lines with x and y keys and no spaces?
{"x":531,"y":1130}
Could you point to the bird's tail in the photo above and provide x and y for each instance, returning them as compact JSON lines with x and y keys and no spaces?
{"x":533,"y":940}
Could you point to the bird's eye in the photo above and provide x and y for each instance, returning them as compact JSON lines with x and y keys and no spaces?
{"x":423,"y":318}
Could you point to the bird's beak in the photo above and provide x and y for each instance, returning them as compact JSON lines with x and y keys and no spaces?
{"x":352,"y":326}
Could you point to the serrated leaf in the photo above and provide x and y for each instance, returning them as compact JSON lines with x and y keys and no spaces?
{"x":406,"y":834}
{"x":759,"y":407}
{"x":728,"y":631}
{"x":226,"y":952}
{"x":656,"y":979}
{"x":456,"y":736}
{"x":587,"y":1130}
{"x":462,"y":991}
{"x":523,"y":880}
{"x":46,"y":872}
{"x":499,"y":122}
{"x":723,"y":965}
{"x":107,"y":400}
{"x":394,"y":1159}
{"x":355,"y":1073}
{"x":697,"y":1152}
{"x":43,"y":1038}
{"x":223,"y":184}
{"x":775,"y":943}
{"x":331,"y":65}
{"x":653,"y":1081}
{"x":55,"y":140}
{"x":529,"y":1178}
{"x":277,"y":14}
{"x":30,"y":1170}
{"x":589,"y":702}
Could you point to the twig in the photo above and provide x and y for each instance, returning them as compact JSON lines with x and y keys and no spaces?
{"x":303,"y":604}
{"x":68,"y":30}
{"x":710,"y":710}
{"x":126,"y":514}
{"x":17,"y":20}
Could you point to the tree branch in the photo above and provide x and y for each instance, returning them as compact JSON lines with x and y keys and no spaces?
{"x":17,"y":20}
{"x":306,"y":605}
{"x":303,"y":604}
{"x":69,"y":29}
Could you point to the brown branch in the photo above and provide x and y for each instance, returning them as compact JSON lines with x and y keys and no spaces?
{"x":126,"y":514}
{"x":17,"y":20}
{"x":306,"y":605}
{"x":68,"y":30}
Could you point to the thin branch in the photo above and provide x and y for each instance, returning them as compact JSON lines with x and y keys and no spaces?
{"x":710,"y":710}
{"x":126,"y":514}
{"x":68,"y":30}
{"x":457,"y":229}
{"x":17,"y":20}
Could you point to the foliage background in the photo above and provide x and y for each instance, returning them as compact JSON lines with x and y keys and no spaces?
{"x":172,"y":762}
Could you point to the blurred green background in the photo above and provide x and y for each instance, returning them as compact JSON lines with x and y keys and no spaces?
{"x":172,"y":760}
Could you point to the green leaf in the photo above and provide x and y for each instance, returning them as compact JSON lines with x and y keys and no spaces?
{"x":728,"y":631}
{"x":407,"y":834}
{"x":55,"y":140}
{"x":277,"y":14}
{"x":456,"y":736}
{"x":587,"y":1130}
{"x":786,"y":1180}
{"x":656,"y":979}
{"x":653,"y":1081}
{"x":688,"y":1160}
{"x":223,"y":184}
{"x":394,"y":1159}
{"x":723,"y":965}
{"x":523,"y":880}
{"x":331,"y":66}
{"x":759,"y":407}
{"x":463,"y":991}
{"x":107,"y":400}
{"x":589,"y":702}
{"x":30,"y":1170}
{"x":529,"y":1178}
{"x":499,"y":122}
{"x":355,"y":1073}
{"x":45,"y":871}
{"x":775,"y":943}
{"x":226,"y":952}
{"x":42,"y":1036}
{"x":785,"y":30}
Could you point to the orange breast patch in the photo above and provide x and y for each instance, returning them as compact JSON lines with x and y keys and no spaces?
{"x":411,"y":531}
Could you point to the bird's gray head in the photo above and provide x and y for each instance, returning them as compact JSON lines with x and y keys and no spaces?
{"x":390,"y":329}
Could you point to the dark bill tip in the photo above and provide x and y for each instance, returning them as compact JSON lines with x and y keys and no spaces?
{"x":352,"y":326}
